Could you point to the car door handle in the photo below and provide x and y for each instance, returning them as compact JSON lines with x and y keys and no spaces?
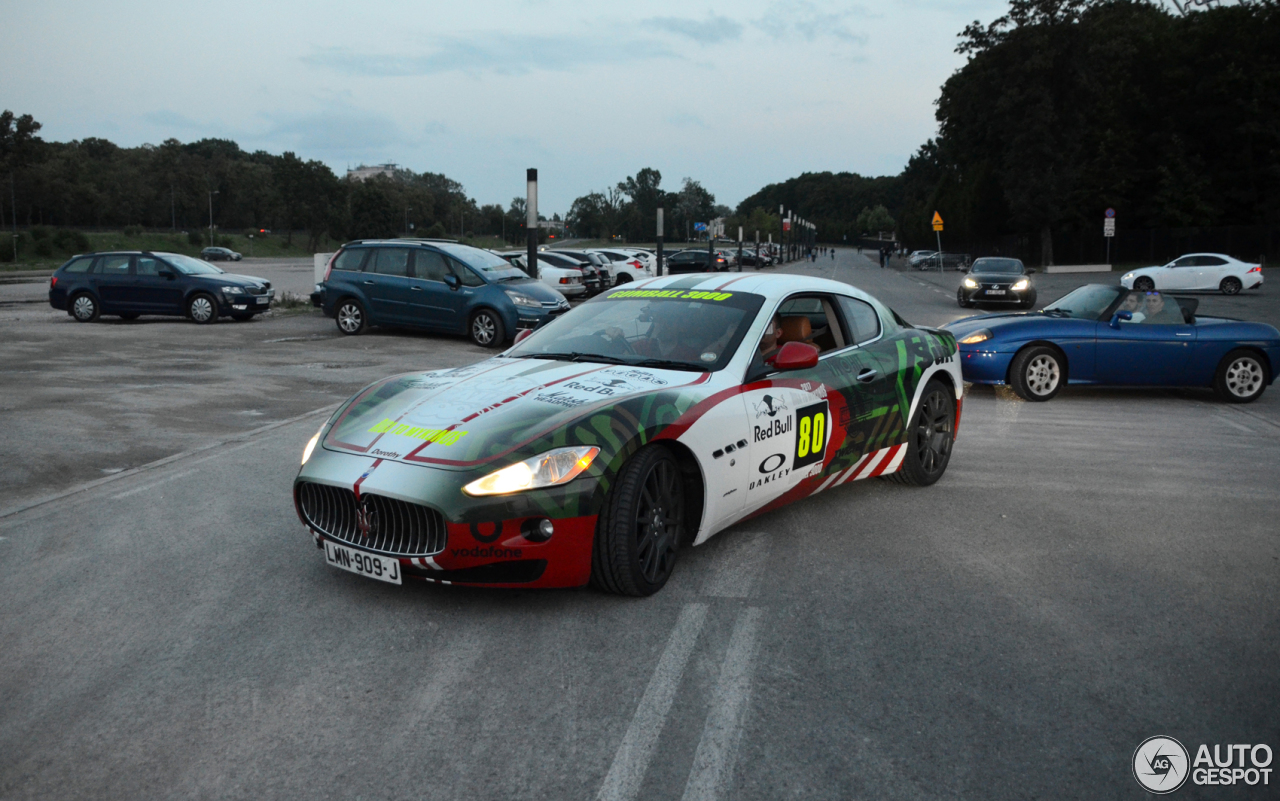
{"x":1179,"y":334}
{"x":867,"y":374}
{"x":416,"y":288}
{"x":370,"y":283}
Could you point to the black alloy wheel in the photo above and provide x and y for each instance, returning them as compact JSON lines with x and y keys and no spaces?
{"x":964,"y":302}
{"x":203,"y":308}
{"x":84,"y":308}
{"x":486,"y":329}
{"x":1230,"y":286}
{"x":1144,"y":284}
{"x":639,"y":532}
{"x":930,"y":436}
{"x":350,"y":316}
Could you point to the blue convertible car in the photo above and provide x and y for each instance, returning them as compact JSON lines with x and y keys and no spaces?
{"x":1109,"y":335}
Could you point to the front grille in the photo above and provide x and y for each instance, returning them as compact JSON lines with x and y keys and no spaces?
{"x":256,"y":290}
{"x":375,"y":523}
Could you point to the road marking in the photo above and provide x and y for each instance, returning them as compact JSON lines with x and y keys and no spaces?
{"x":734,"y":572}
{"x":712,"y":771}
{"x":1234,"y":424}
{"x":632,"y":760}
{"x":152,"y":485}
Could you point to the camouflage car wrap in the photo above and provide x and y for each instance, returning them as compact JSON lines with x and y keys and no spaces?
{"x":747,"y":446}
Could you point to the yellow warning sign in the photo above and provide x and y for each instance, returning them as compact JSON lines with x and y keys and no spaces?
{"x":937,"y":221}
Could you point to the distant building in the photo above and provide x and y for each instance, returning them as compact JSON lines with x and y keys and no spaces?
{"x":364,"y":173}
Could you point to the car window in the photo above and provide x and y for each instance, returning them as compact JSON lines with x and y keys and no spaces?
{"x":1152,"y":308}
{"x":429,"y":265}
{"x":862,"y":321}
{"x":80,"y":265}
{"x":810,"y":319}
{"x":148,"y":265}
{"x":391,"y":261}
{"x":1086,"y":303}
{"x":1211,"y":261}
{"x":350,"y":259}
{"x":465,"y":275}
{"x":113,"y":265}
{"x":1186,"y":261}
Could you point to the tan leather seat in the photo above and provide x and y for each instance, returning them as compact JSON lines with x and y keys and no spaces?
{"x":795,"y":329}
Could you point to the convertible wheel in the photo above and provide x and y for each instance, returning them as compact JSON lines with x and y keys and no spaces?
{"x":350,"y":317}
{"x":639,"y":532}
{"x":203,"y":309}
{"x":1231,"y":286}
{"x":1242,"y":376}
{"x":1037,"y":373}
{"x":930,"y":436}
{"x":1144,"y":284}
{"x":84,"y":308}
{"x":486,"y":329}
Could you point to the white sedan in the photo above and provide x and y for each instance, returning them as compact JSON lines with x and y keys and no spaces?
{"x":567,"y":280}
{"x":1209,"y":272}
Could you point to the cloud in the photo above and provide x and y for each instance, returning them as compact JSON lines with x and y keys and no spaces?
{"x":503,"y":54}
{"x":334,"y":133}
{"x":685,"y":120}
{"x":712,"y":30}
{"x":805,"y":20}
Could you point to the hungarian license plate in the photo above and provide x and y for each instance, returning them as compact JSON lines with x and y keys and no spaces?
{"x":382,"y":568}
{"x":995,"y":291}
{"x":263,"y":300}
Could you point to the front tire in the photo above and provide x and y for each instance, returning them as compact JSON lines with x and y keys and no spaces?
{"x":1037,"y":374}
{"x":963,"y":302}
{"x":930,"y":436}
{"x":639,"y":532}
{"x":1242,"y":377}
{"x":1144,"y":284}
{"x":84,"y":308}
{"x":1230,"y":286}
{"x":486,"y":329}
{"x":203,"y":309}
{"x":350,"y":317}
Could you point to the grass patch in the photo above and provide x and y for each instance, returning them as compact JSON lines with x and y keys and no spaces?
{"x":291,"y":303}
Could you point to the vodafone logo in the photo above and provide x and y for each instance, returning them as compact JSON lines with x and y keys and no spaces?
{"x":1160,"y":764}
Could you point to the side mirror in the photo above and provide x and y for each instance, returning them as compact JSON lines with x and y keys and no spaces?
{"x":795,"y":356}
{"x":453,"y":281}
{"x":1118,"y":316}
{"x":523,"y":334}
{"x":166,"y":274}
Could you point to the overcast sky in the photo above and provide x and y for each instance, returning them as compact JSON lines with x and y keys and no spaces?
{"x":736,"y":95}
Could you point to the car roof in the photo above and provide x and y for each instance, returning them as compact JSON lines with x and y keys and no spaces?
{"x":774,"y":287}
{"x":415,"y":241}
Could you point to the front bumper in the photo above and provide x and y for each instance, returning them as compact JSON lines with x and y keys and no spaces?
{"x":979,"y":366}
{"x":983,"y":295}
{"x":254,"y":304}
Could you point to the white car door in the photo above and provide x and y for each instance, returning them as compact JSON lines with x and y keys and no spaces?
{"x":1181,"y":273}
{"x":1211,"y":271}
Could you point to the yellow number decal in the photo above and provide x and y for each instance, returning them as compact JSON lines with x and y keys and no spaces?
{"x":802,"y":446}
{"x":819,"y":426}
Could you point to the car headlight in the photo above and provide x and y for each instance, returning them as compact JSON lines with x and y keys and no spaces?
{"x":1023,"y":284}
{"x":1127,"y":277}
{"x":522,"y":300}
{"x":969,"y":283}
{"x":981,"y":335}
{"x":311,"y":445}
{"x":232,"y":290}
{"x":547,"y":470}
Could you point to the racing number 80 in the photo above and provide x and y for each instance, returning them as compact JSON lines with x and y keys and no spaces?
{"x":811,"y":434}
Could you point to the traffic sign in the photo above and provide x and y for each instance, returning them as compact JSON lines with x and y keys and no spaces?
{"x":1111,"y":213}
{"x":1109,"y":227}
{"x":937,"y":221}
{"x":699,"y":227}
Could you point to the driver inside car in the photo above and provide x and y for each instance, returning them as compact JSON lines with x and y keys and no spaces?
{"x":679,"y":331}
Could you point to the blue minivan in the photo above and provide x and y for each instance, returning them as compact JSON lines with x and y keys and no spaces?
{"x":436,"y":286}
{"x":133,"y":283}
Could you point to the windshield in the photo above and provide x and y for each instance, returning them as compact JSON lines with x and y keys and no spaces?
{"x":672,"y":328}
{"x":997,"y":266}
{"x":189,"y":266}
{"x":493,"y":266}
{"x":1086,"y":303}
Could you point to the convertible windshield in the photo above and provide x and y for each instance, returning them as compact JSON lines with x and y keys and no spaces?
{"x":997,"y":266}
{"x":1086,"y":303}
{"x":492,"y":265}
{"x":189,"y":266}
{"x":667,"y":328}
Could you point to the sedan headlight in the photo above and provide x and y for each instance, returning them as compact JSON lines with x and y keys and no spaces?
{"x":311,"y":445}
{"x":1127,"y":277}
{"x":1021,"y":285}
{"x":969,"y":283}
{"x":981,"y":335}
{"x":232,"y":290}
{"x":547,"y":470}
{"x":521,"y":299}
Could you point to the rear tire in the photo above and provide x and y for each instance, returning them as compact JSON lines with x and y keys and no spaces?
{"x":486,"y":329}
{"x":639,"y":531}
{"x":1144,"y":284}
{"x":84,"y":308}
{"x":350,"y":317}
{"x":929,"y":437}
{"x":203,"y":309}
{"x":1037,"y":373}
{"x":1242,"y":377}
{"x":1231,"y":286}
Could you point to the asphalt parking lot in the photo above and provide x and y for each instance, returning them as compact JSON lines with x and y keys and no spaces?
{"x":1090,"y":572}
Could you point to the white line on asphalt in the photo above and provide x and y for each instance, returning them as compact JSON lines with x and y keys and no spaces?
{"x":632,"y":760}
{"x":1234,"y":424}
{"x":152,"y":485}
{"x":712,"y":771}
{"x":734,"y":572}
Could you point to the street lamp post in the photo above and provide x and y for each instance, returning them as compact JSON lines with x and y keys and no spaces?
{"x":407,"y":209}
{"x":212,"y":192}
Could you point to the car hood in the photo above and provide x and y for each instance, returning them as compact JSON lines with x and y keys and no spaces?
{"x":534,"y":289}
{"x":466,"y":416}
{"x":1008,"y":278}
{"x":231,"y":279}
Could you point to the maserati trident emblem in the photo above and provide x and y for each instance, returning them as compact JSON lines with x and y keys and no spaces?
{"x":365,"y":519}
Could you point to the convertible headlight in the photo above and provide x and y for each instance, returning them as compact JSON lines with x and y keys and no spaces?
{"x":1023,"y":284}
{"x":232,"y":290}
{"x":311,"y":445}
{"x":549,"y":469}
{"x":981,"y":335}
{"x":522,"y":300}
{"x":969,"y":283}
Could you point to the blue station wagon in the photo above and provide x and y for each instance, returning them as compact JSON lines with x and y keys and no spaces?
{"x":435,"y":286}
{"x":132,"y":283}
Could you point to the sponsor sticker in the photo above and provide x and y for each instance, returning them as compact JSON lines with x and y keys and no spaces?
{"x":674,"y":294}
{"x":436,"y":435}
{"x":811,"y":435}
